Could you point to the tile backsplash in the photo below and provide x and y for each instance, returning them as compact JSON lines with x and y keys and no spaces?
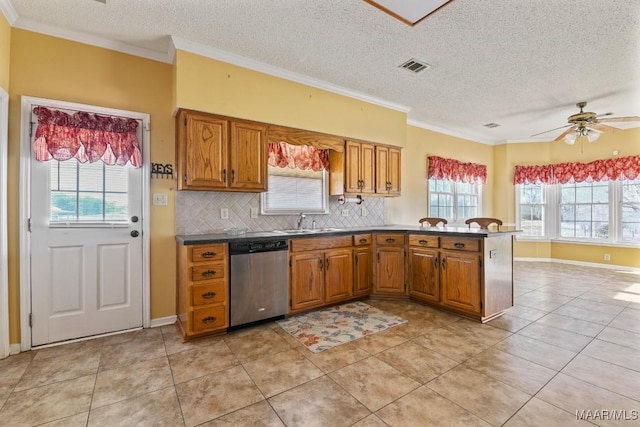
{"x":198,"y":212}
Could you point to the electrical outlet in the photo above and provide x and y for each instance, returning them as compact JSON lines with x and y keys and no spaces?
{"x":253,"y":212}
{"x":607,"y":257}
{"x":364,"y":212}
{"x":159,"y":199}
{"x":224,"y":213}
{"x":345,"y":212}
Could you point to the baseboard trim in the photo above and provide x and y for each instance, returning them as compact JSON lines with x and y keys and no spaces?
{"x":580,"y":263}
{"x":163,"y":321}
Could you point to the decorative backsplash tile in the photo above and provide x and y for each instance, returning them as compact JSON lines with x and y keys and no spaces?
{"x":198,"y":212}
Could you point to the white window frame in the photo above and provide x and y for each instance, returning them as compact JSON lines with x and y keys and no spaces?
{"x":553,"y":212}
{"x":455,"y":220}
{"x":545,"y":214}
{"x":275,"y":211}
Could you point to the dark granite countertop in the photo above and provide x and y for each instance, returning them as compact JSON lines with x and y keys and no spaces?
{"x":196,"y":239}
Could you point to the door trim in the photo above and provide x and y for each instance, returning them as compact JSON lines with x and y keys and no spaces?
{"x":27,"y":104}
{"x":4,"y":262}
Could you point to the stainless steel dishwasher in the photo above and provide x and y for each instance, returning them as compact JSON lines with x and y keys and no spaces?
{"x":259,"y":284}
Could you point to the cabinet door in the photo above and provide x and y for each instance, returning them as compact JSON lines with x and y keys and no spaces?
{"x":205,"y":152}
{"x":307,"y":280}
{"x":362,"y":271}
{"x":367,"y":168}
{"x":393,"y":171}
{"x":352,"y":167}
{"x":338,"y":274}
{"x":390,"y":270}
{"x":382,"y":162}
{"x":424,"y":272}
{"x":460,"y":276}
{"x":248,"y":157}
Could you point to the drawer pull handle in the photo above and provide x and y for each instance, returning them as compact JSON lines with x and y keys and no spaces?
{"x":209,"y":319}
{"x":208,"y":254}
{"x":209,"y":295}
{"x":458,"y":245}
{"x":390,"y":240}
{"x":209,"y":273}
{"x":423,"y":242}
{"x":363,"y":240}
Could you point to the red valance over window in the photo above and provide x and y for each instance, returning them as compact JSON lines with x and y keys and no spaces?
{"x":542,"y":174}
{"x":562,"y":173}
{"x":441,"y":168}
{"x":86,"y":137}
{"x":302,"y":157}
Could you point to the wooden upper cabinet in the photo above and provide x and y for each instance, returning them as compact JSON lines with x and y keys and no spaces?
{"x":219,"y":153}
{"x":202,"y":151}
{"x":387,"y":171}
{"x":359,"y":167}
{"x":248,"y":151}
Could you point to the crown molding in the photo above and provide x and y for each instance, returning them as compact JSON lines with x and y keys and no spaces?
{"x":9,"y":12}
{"x":80,"y":37}
{"x":252,"y":64}
{"x":449,"y":132}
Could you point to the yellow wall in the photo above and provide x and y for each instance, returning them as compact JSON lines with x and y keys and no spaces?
{"x":208,"y":85}
{"x":413,"y":205}
{"x":48,"y":67}
{"x":5,"y":49}
{"x":627,"y":142}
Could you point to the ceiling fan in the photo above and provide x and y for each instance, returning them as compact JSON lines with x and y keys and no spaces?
{"x":588,"y":124}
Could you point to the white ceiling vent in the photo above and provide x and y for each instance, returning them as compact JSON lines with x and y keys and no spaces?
{"x":491,"y":125}
{"x":415,"y":66}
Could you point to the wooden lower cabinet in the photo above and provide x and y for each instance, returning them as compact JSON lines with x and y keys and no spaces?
{"x":202,"y":289}
{"x":307,"y":280}
{"x":460,"y":280}
{"x":363,"y":275}
{"x":389,"y":265}
{"x":424,"y":274}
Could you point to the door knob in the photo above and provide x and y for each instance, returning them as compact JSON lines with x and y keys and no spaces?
{"x":134,"y":219}
{"x":135,"y":233}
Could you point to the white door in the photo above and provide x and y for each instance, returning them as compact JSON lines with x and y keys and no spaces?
{"x":86,"y":249}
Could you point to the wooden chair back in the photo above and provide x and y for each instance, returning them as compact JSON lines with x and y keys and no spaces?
{"x":484,"y":223}
{"x":432,"y":221}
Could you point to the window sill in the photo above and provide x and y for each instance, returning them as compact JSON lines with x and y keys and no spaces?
{"x":597,"y":243}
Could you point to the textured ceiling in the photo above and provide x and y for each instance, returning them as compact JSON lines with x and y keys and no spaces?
{"x":522,"y":64}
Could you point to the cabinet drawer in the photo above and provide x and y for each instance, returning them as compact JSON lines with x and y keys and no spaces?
{"x":361,"y":239}
{"x":319,"y":243}
{"x":390,"y":239}
{"x":208,"y":271}
{"x":209,"y":318}
{"x":216,"y":252}
{"x":424,"y":241}
{"x":470,"y":244}
{"x":210,"y":293}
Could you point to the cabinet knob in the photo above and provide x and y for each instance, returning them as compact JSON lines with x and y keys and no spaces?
{"x":390,"y":240}
{"x":423,"y":242}
{"x":459,"y":245}
{"x":209,"y":273}
{"x":209,"y":319}
{"x":233,"y":175}
{"x":224,"y":175}
{"x":435,"y":263}
{"x":209,"y":295}
{"x":208,"y":254}
{"x":444,"y":263}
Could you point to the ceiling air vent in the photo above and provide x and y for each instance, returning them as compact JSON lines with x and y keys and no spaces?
{"x":415,"y":65}
{"x":491,"y":125}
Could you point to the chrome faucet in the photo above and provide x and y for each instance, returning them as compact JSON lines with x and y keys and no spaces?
{"x":300,"y":219}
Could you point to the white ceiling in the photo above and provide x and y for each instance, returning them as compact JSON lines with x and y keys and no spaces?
{"x":522,"y":64}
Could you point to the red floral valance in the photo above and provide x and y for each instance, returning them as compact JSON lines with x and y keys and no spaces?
{"x":562,"y":173}
{"x":86,"y":137}
{"x":302,"y":157}
{"x":441,"y":168}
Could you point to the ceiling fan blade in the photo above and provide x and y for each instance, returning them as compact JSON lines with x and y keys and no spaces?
{"x":621,"y":119}
{"x":565,"y":133}
{"x":602,"y":128}
{"x":604,"y":114}
{"x":550,"y":130}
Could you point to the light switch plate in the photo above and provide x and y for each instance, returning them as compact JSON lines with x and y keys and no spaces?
{"x":364,"y":212}
{"x":254,"y":212}
{"x":160,"y":199}
{"x":345,"y":212}
{"x":224,"y":213}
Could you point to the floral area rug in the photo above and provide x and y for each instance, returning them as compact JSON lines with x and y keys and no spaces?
{"x":327,"y":328}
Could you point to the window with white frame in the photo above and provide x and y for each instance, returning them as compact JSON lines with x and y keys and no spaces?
{"x":630,"y":210}
{"x":584,"y":210}
{"x":452,"y":200}
{"x":531,"y":212}
{"x":294,"y":190}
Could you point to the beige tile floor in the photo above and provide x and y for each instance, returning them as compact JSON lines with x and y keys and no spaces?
{"x":572,"y":342}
